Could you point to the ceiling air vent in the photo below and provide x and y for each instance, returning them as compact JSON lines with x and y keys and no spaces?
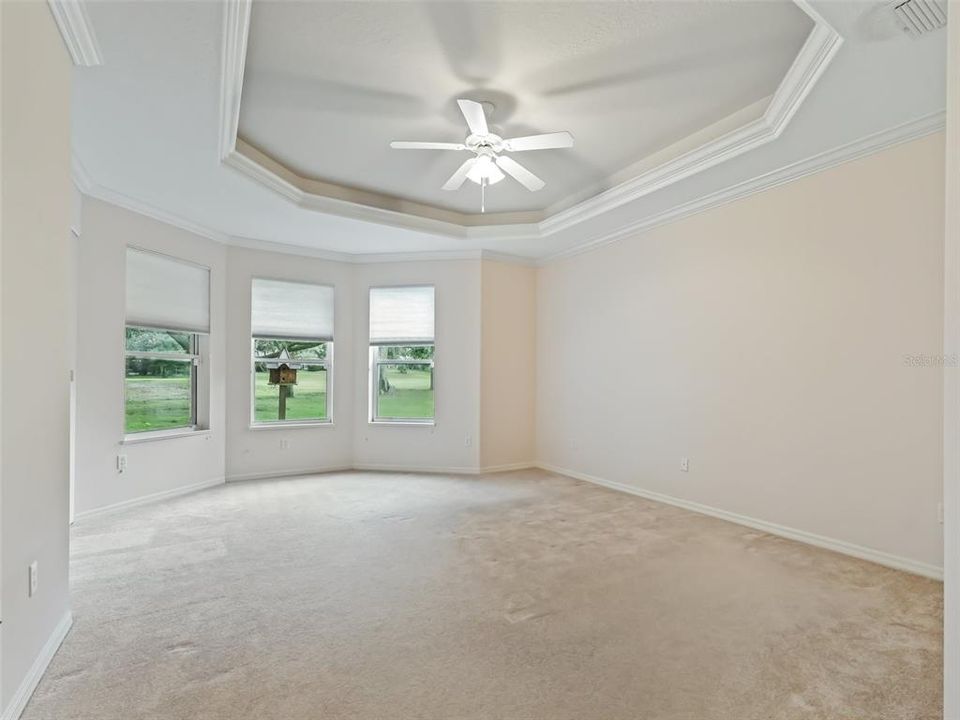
{"x":919,"y":17}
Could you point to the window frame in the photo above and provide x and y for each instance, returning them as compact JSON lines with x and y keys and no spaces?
{"x":194,"y":357}
{"x":373,"y":369}
{"x":327,"y":363}
{"x":376,"y":362}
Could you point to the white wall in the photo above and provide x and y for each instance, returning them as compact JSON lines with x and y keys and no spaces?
{"x":508,"y":353}
{"x":258,"y":452}
{"x":765,"y":340}
{"x":951,"y":389}
{"x":160,"y":466}
{"x":34,"y":261}
{"x":233,"y":449}
{"x":452,"y":444}
{"x":351,"y":440}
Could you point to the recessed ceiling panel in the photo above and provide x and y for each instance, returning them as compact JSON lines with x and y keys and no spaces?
{"x":328,"y":85}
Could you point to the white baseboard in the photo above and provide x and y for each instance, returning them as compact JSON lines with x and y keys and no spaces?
{"x":507,"y":467}
{"x":432,"y":469}
{"x":374,"y":467}
{"x":23,"y":694}
{"x":242,"y":477}
{"x":146,"y":499}
{"x":841,"y":546}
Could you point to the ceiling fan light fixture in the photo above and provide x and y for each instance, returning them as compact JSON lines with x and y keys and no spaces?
{"x":485,"y":172}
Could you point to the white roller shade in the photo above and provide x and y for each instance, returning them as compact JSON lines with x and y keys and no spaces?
{"x":166,"y":293}
{"x":291,"y":310}
{"x":401,"y":315}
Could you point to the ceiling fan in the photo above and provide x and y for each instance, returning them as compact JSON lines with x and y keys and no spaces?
{"x":488,"y":166}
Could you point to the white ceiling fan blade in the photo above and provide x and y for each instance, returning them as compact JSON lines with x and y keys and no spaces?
{"x":519,"y":173}
{"x":547,"y":141}
{"x":475,"y":117}
{"x":403,"y":145}
{"x":458,"y":178}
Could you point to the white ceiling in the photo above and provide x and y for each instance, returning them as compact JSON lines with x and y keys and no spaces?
{"x":146,"y":123}
{"x":328,"y":85}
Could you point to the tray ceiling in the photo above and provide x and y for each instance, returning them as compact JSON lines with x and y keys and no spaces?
{"x":157,"y":105}
{"x":327,"y":86}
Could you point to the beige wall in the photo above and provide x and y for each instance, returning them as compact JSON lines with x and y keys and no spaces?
{"x":160,"y":466}
{"x":508,"y":364}
{"x":34,"y":384}
{"x":765,"y":341}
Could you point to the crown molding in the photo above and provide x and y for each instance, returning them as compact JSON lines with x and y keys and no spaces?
{"x":83,"y":183}
{"x":911,"y":130}
{"x":236,"y":30}
{"x":818,"y":50}
{"x":360,"y":204}
{"x":814,"y":57}
{"x":77,"y":31}
{"x":371,"y":258}
{"x":258,"y":173}
{"x":79,"y":175}
{"x":368,"y":213}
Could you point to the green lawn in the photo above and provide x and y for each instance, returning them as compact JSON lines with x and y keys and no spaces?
{"x":309,"y":401}
{"x":162,"y":403}
{"x":157,"y":403}
{"x":410,"y":394}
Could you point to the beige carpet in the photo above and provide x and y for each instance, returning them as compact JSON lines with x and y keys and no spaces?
{"x":509,"y":597}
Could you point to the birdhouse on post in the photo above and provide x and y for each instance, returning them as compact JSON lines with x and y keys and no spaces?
{"x":283,"y":373}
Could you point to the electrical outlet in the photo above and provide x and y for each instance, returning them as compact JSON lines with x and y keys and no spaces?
{"x":121,"y":463}
{"x":468,"y":440}
{"x":284,"y":444}
{"x":940,"y":513}
{"x":33,"y":579}
{"x":684,"y":464}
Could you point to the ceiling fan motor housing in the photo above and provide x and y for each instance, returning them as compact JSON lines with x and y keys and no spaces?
{"x":489,"y":144}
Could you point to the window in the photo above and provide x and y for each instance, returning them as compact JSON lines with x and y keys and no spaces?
{"x":402,"y":354}
{"x":161,"y":380}
{"x":304,"y":401}
{"x":292,"y":328}
{"x":168,"y":319}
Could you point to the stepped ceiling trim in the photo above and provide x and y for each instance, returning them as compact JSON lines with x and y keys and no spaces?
{"x":913,"y":130}
{"x":73,"y":21}
{"x":728,"y":139}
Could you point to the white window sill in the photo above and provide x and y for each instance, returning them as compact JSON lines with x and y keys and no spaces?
{"x":405,"y":423}
{"x":290,"y":425}
{"x":162,"y":435}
